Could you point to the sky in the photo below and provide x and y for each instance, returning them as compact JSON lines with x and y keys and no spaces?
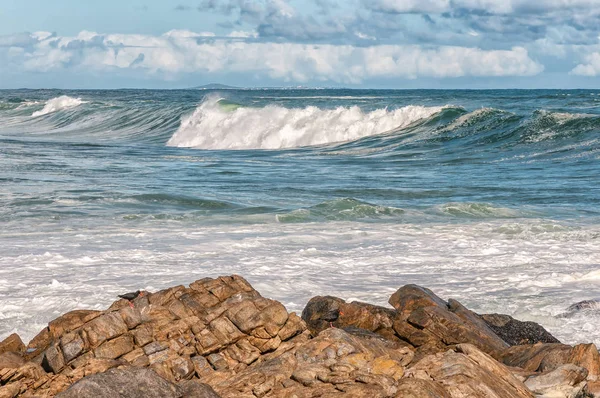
{"x":311,"y":43}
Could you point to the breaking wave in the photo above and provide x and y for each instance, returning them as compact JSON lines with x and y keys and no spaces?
{"x":214,"y":125}
{"x":57,"y":104}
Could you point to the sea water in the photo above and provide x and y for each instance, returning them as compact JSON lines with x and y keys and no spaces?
{"x":488,"y":197}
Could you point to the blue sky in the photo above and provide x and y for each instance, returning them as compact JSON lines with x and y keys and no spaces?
{"x":355,"y":43}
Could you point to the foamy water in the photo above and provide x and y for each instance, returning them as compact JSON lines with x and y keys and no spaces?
{"x":526,"y":268}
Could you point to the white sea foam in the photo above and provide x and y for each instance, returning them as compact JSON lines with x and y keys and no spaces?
{"x":57,"y":104}
{"x":525,"y":268}
{"x":213,"y":126}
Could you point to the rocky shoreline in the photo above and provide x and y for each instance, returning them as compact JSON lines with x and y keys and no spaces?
{"x":221,"y":338}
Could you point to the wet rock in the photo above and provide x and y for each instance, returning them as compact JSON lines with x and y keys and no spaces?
{"x":12,"y":343}
{"x":516,"y":332}
{"x":584,"y":305}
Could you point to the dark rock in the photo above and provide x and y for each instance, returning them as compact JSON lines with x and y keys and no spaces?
{"x":323,"y":312}
{"x":195,"y":389}
{"x":584,"y":305}
{"x":516,"y":332}
{"x":133,"y":382}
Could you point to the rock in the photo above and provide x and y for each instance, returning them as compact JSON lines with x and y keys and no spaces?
{"x":333,"y":362}
{"x":11,"y":360}
{"x":426,"y":321}
{"x":10,"y":391}
{"x":584,"y":305}
{"x":113,"y":349}
{"x":195,"y":389}
{"x":417,"y":388}
{"x":516,"y":332}
{"x":547,"y":357}
{"x":566,"y":381}
{"x":223,"y":333}
{"x":468,"y":372}
{"x":12,"y":343}
{"x":322,"y":312}
{"x":104,"y":327}
{"x":133,"y":383}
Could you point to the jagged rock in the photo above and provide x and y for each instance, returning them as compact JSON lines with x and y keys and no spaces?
{"x":430,"y":323}
{"x":334,"y":362}
{"x":566,"y":381}
{"x":468,"y":372}
{"x":322,"y":312}
{"x":223,"y":333}
{"x":418,"y":388}
{"x":132,"y":383}
{"x":547,"y":357}
{"x":12,"y":343}
{"x":516,"y":332}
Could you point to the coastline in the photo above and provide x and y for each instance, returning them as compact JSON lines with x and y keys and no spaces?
{"x":220,"y":336}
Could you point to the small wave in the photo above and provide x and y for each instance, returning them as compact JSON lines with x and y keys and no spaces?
{"x":212,"y":126}
{"x":57,"y":104}
{"x":346,"y":209}
{"x":477,"y":210}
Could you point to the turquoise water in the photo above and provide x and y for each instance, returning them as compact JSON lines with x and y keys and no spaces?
{"x":490,"y":197}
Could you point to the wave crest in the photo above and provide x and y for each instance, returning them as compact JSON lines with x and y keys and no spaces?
{"x":57,"y":104}
{"x":213,"y":126}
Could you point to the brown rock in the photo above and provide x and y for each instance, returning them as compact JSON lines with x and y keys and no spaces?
{"x":322,"y":312}
{"x":565,"y":381}
{"x":586,"y":356}
{"x":113,"y":349}
{"x":103,"y":328}
{"x":12,"y":343}
{"x":10,"y":391}
{"x":469,"y":372}
{"x":71,"y":345}
{"x":71,"y":321}
{"x":432,"y":322}
{"x":11,"y":360}
{"x":417,"y":388}
{"x":142,"y":335}
{"x":539,"y":357}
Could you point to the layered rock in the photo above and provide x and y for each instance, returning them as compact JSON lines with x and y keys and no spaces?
{"x":220,"y":337}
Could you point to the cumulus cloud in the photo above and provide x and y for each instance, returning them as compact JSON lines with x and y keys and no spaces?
{"x":184,"y":52}
{"x":591,"y":67}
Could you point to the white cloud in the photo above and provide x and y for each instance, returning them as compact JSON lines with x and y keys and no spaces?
{"x":411,"y":6}
{"x":242,"y":34}
{"x":591,"y":67}
{"x":490,"y":6}
{"x":184,"y":52}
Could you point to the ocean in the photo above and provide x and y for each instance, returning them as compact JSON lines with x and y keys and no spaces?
{"x":489,"y":197}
